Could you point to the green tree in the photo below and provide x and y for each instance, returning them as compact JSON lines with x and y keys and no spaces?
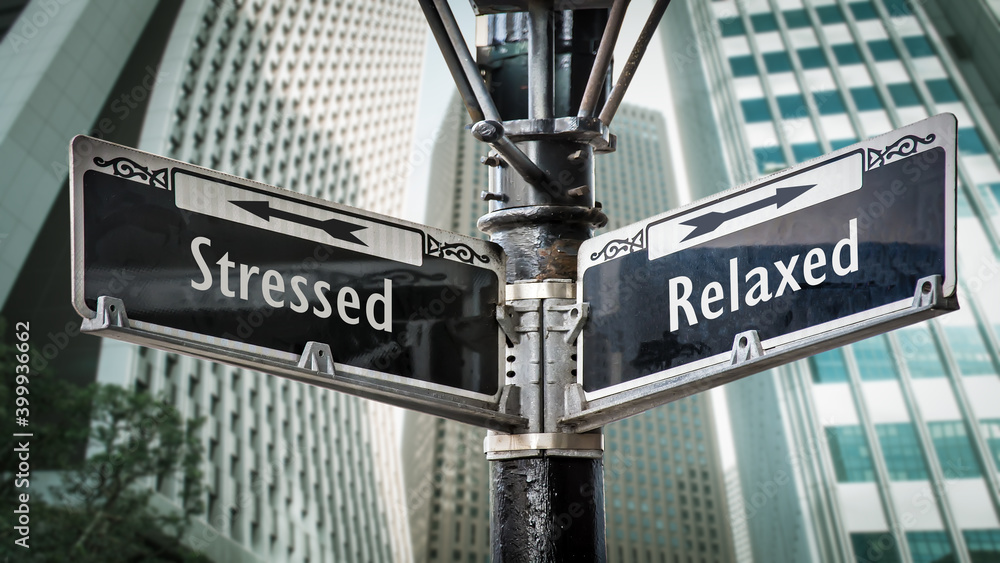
{"x":100,"y":511}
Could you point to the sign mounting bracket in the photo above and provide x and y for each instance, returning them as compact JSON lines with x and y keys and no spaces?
{"x":746,"y":346}
{"x":110,"y":313}
{"x":317,"y":357}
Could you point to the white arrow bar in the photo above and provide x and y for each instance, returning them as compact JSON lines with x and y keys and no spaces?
{"x":207,"y":196}
{"x":832,"y":179}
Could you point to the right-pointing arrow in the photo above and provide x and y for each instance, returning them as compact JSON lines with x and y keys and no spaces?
{"x":712,"y":220}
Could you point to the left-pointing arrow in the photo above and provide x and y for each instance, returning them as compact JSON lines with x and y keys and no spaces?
{"x":336,"y":228}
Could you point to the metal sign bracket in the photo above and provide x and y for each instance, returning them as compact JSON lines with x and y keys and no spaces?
{"x":575,"y":400}
{"x":575,"y":316}
{"x":507,"y":317}
{"x":510,"y":400}
{"x":928,"y":293}
{"x":110,"y":313}
{"x":317,"y":357}
{"x":746,"y":346}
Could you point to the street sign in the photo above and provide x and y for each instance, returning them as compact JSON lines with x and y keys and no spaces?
{"x":190,"y":260}
{"x":834,"y":250}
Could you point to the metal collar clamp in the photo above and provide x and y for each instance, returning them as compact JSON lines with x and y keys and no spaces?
{"x":564,"y":444}
{"x":541,"y":290}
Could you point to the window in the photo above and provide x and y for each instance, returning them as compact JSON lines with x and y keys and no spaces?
{"x":904,"y":94}
{"x":984,"y":545}
{"x":866,"y":98}
{"x":847,"y":54}
{"x":967,"y":343}
{"x":874,"y":360}
{"x":921,"y":355}
{"x":875,"y":546}
{"x":897,"y":8}
{"x":863,"y":10}
{"x":812,"y":57}
{"x":841,"y":143}
{"x":768,"y":159}
{"x":763,"y":23}
{"x":806,"y":151}
{"x":883,"y":50}
{"x":777,"y":62}
{"x":829,"y":102}
{"x":850,"y":453}
{"x":969,"y":141}
{"x":743,"y":65}
{"x":991,"y":432}
{"x":942,"y":90}
{"x":731,"y":27}
{"x":796,"y":18}
{"x":756,"y":110}
{"x":902,"y":451}
{"x":792,"y":106}
{"x":930,"y":547}
{"x":954,"y":450}
{"x":918,"y":46}
{"x":829,"y":14}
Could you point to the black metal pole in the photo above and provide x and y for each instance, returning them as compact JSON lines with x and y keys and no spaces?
{"x":547,"y":483}
{"x":548,"y":509}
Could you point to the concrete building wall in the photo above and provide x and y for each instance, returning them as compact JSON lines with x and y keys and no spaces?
{"x":59,"y":63}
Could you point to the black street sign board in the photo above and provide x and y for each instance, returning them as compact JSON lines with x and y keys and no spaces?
{"x":831,"y":251}
{"x":228,"y":269}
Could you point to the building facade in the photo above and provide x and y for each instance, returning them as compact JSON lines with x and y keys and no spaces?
{"x":885,"y":450}
{"x":316,"y":97}
{"x":664,"y":487}
{"x":972,"y":36}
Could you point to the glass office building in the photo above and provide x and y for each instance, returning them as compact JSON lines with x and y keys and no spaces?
{"x":885,"y":450}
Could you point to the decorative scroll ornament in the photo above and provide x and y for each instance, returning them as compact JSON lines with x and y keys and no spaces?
{"x":620,"y":247}
{"x":902,"y":147}
{"x":458,"y":251}
{"x":126,"y":168}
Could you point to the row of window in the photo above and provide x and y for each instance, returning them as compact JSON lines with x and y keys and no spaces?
{"x":875,"y":361}
{"x":902,"y":453}
{"x":813,"y":57}
{"x":926,"y":547}
{"x":866,"y":98}
{"x":797,"y":19}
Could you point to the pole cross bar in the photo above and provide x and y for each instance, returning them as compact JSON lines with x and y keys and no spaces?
{"x":473,"y":90}
{"x":628,"y":71}
{"x":602,"y":63}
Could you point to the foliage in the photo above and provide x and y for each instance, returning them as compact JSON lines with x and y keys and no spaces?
{"x":56,"y":409}
{"x":100,"y":511}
